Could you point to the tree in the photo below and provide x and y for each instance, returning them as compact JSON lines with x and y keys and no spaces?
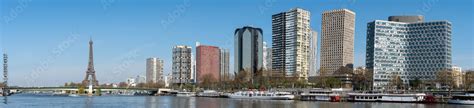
{"x":333,"y":82}
{"x":396,"y":82}
{"x":241,"y":79}
{"x":362,"y":79}
{"x":81,"y":90}
{"x":123,"y":84}
{"x":260,"y":79}
{"x":416,"y":83}
{"x":343,"y":70}
{"x":323,"y":73}
{"x":468,"y":80}
{"x":208,"y":81}
{"x":445,"y":78}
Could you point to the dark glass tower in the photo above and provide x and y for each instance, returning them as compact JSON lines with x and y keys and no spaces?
{"x":248,"y":50}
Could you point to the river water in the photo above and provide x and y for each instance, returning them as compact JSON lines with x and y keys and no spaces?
{"x":32,"y":101}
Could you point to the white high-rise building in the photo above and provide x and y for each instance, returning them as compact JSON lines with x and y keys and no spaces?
{"x":313,"y":51}
{"x":267,"y":59}
{"x":291,"y":43}
{"x":154,"y":70}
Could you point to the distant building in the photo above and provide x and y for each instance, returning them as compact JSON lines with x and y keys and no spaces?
{"x":168,"y":79}
{"x":140,"y":79}
{"x":154,"y":70}
{"x":207,"y":63}
{"x":337,"y":40}
{"x":313,"y":51}
{"x":248,"y":50}
{"x":181,"y":68}
{"x":224,"y":65}
{"x":267,"y":59}
{"x":457,"y":75}
{"x":131,"y":82}
{"x":291,"y":43}
{"x":408,"y":47}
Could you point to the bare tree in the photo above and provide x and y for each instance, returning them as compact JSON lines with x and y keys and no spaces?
{"x":445,"y":78}
{"x":468,"y":80}
{"x":396,"y":82}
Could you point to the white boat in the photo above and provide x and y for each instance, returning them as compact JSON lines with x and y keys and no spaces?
{"x":261,"y":95}
{"x":185,"y":94}
{"x":208,"y":93}
{"x":320,"y":95}
{"x":466,"y":99}
{"x":379,"y":97}
{"x":73,"y":95}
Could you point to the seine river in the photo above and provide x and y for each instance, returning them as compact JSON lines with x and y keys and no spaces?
{"x":21,"y":101}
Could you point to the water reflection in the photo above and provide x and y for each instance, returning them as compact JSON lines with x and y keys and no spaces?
{"x":193,"y":102}
{"x":5,"y":99}
{"x":88,"y":102}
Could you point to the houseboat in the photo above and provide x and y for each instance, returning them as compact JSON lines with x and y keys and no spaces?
{"x":380,"y":97}
{"x":209,"y":93}
{"x":185,"y":94}
{"x":320,"y":95}
{"x":466,"y":99}
{"x":261,"y":95}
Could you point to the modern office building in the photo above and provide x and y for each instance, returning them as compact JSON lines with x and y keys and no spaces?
{"x":154,"y":70}
{"x":181,"y":68}
{"x":291,"y":43}
{"x":313,"y":51}
{"x":224,"y":64}
{"x":207,"y":63}
{"x":337,"y":40}
{"x":248,"y":51}
{"x":408,"y":47}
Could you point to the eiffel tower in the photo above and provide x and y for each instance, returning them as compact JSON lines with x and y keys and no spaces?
{"x":90,"y":73}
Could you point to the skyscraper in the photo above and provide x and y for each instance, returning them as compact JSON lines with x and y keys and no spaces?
{"x":154,"y":70}
{"x":267,"y":59}
{"x":313,"y":50}
{"x":181,"y":69}
{"x":290,"y":43}
{"x":248,"y":50}
{"x":337,"y":40}
{"x":407,"y":47}
{"x":207,"y":63}
{"x":224,"y":64}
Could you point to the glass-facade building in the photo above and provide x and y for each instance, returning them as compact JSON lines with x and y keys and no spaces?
{"x":248,"y":51}
{"x":407,"y":47}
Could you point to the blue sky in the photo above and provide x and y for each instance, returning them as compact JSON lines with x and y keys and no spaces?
{"x":47,"y":40}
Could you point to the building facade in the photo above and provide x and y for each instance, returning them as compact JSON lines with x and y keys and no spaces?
{"x":291,"y":43}
{"x":181,"y":68}
{"x":248,"y":51}
{"x":267,"y":59}
{"x":207,"y":63}
{"x":407,"y":47}
{"x":313,"y":51}
{"x":154,"y":70}
{"x":337,"y":40}
{"x":457,"y":75}
{"x":224,"y":65}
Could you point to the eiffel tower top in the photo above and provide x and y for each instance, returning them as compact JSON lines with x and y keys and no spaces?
{"x":91,"y":56}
